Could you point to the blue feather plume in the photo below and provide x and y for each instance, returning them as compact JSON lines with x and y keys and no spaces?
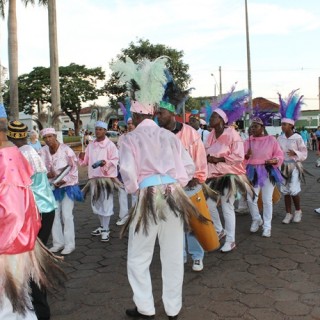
{"x":292,"y":107}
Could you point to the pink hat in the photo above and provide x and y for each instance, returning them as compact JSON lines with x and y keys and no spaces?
{"x":222,"y":114}
{"x":137,"y":107}
{"x":287,"y":120}
{"x":202,"y":122}
{"x":47,"y":131}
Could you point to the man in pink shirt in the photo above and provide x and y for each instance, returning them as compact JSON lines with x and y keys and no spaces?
{"x":62,"y":165}
{"x":191,"y":140}
{"x":155,"y":166}
{"x":100,"y":175}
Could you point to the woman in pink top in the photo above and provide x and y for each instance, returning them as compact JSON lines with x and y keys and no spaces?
{"x":263,"y":158}
{"x":226,"y":173}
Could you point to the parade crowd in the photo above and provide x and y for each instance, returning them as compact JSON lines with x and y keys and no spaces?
{"x":180,"y":178}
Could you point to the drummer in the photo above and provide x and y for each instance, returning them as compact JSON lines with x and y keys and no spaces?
{"x":191,"y":140}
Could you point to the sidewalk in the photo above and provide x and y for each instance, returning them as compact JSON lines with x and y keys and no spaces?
{"x":263,"y":279}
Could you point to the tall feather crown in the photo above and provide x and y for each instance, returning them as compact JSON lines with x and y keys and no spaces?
{"x":145,"y":80}
{"x":291,"y":107}
{"x":230,"y":107}
{"x":263,"y":115}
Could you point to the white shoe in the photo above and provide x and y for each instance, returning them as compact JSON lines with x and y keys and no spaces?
{"x":97,"y":232}
{"x":297,"y":216}
{"x":287,"y":219}
{"x":317,"y":210}
{"x":122,"y":221}
{"x":197,"y":265}
{"x":228,"y":246}
{"x":55,"y":249}
{"x":105,"y":235}
{"x":266,"y":233}
{"x":66,"y":251}
{"x":255,"y":225}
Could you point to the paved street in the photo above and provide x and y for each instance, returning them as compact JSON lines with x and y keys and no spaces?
{"x":275,"y":278}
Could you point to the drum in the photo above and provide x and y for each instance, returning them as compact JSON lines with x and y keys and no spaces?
{"x":276,"y":196}
{"x":204,"y":232}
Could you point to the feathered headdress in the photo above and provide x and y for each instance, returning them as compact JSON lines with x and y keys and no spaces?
{"x":174,"y":98}
{"x":3,"y":113}
{"x":125,"y":108}
{"x":231,"y":107}
{"x":262,"y":116}
{"x":145,"y":81}
{"x":290,"y":109}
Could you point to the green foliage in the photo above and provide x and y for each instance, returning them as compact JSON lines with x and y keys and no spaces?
{"x":144,"y":49}
{"x":78,"y":84}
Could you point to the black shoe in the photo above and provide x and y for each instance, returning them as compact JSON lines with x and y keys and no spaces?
{"x":134,"y":313}
{"x":173,"y":317}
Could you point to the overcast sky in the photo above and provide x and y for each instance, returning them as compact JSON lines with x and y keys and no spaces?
{"x":284,"y":39}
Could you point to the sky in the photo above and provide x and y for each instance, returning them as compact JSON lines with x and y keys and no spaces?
{"x":284,"y":40}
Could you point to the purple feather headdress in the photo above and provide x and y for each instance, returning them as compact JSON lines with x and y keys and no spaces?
{"x":263,"y":115}
{"x":291,"y":108}
{"x":126,"y":109}
{"x":231,"y":107}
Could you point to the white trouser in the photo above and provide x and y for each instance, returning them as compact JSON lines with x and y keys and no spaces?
{"x":140,"y":251}
{"x":104,"y":222}
{"x":6,"y":312}
{"x":266,"y":192}
{"x":104,"y":205}
{"x":228,"y":215}
{"x":63,"y":236}
{"x":294,"y":187}
{"x":242,"y":203}
{"x":123,"y":202}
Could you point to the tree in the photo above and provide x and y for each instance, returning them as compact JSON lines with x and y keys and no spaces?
{"x":144,"y":49}
{"x":13,"y":51}
{"x":78,"y":84}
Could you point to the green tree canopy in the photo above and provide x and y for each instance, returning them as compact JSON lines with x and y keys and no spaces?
{"x":144,"y":49}
{"x":78,"y":84}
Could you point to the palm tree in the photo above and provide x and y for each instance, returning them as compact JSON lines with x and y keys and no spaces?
{"x":13,"y":51}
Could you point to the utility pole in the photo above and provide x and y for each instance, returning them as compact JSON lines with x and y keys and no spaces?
{"x":248,"y":61}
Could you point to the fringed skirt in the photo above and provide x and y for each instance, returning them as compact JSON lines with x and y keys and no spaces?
{"x":73,"y":192}
{"x":16,"y":270}
{"x":257,"y":174}
{"x":231,"y":184}
{"x":153,"y":202}
{"x":287,"y":169}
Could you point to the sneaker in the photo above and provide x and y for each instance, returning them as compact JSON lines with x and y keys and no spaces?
{"x":105,"y":235}
{"x":266,"y":233}
{"x":122,"y":221}
{"x":287,"y":219}
{"x":221,"y":234}
{"x":228,"y":246}
{"x":197,"y":265}
{"x":67,"y":251}
{"x":255,"y":225}
{"x":317,"y":210}
{"x":97,"y":232}
{"x":55,"y":249}
{"x":134,"y":313}
{"x":297,"y":216}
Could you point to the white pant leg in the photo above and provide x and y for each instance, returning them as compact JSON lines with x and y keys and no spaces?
{"x":242,"y":203}
{"x":214,"y":215}
{"x":105,"y":221}
{"x":6,"y":312}
{"x":294,"y":187}
{"x":104,"y":205}
{"x":67,"y":217}
{"x":123,"y":203}
{"x":229,"y":216}
{"x":140,"y":252}
{"x":56,"y":231}
{"x":267,"y":192}
{"x":171,"y":236}
{"x":253,"y":204}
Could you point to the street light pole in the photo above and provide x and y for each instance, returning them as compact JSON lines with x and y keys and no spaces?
{"x":248,"y":61}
